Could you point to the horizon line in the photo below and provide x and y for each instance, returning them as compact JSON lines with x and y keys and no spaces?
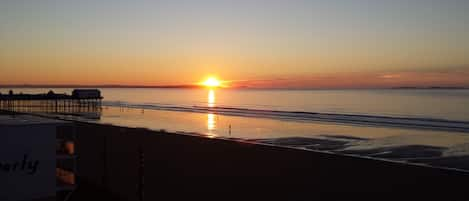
{"x":192,"y":86}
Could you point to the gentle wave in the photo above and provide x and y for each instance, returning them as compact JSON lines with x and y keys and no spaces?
{"x":356,"y":119}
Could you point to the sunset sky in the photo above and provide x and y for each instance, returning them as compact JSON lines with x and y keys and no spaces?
{"x":257,"y":43}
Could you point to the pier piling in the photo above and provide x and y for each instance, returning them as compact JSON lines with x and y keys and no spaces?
{"x":81,"y":101}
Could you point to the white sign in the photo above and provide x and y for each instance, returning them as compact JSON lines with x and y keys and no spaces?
{"x":27,"y":162}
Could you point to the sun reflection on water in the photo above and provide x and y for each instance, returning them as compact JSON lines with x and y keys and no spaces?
{"x":211,"y":117}
{"x":211,"y":122}
{"x":211,"y":98}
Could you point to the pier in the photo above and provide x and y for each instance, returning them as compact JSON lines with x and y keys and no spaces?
{"x":80,"y":101}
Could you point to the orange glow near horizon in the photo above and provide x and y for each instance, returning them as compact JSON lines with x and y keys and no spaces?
{"x":234,"y":44}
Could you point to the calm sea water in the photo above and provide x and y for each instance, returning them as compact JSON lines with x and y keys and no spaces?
{"x":437,"y":104}
{"x":424,"y":126}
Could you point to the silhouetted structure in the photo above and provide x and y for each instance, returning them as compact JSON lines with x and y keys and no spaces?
{"x":81,"y":101}
{"x":86,"y":93}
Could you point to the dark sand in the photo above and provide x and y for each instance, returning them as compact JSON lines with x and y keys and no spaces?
{"x":183,"y":167}
{"x":118,"y":163}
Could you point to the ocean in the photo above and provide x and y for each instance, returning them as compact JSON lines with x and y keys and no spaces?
{"x":411,"y":125}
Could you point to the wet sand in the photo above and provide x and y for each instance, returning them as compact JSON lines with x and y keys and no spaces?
{"x":436,"y":156}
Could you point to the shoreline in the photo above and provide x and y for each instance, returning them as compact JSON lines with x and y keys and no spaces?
{"x":344,"y":145}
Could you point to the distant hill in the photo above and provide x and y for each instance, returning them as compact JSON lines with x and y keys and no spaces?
{"x":430,"y":87}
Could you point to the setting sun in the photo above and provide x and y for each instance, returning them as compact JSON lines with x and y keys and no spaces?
{"x":212,"y":82}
